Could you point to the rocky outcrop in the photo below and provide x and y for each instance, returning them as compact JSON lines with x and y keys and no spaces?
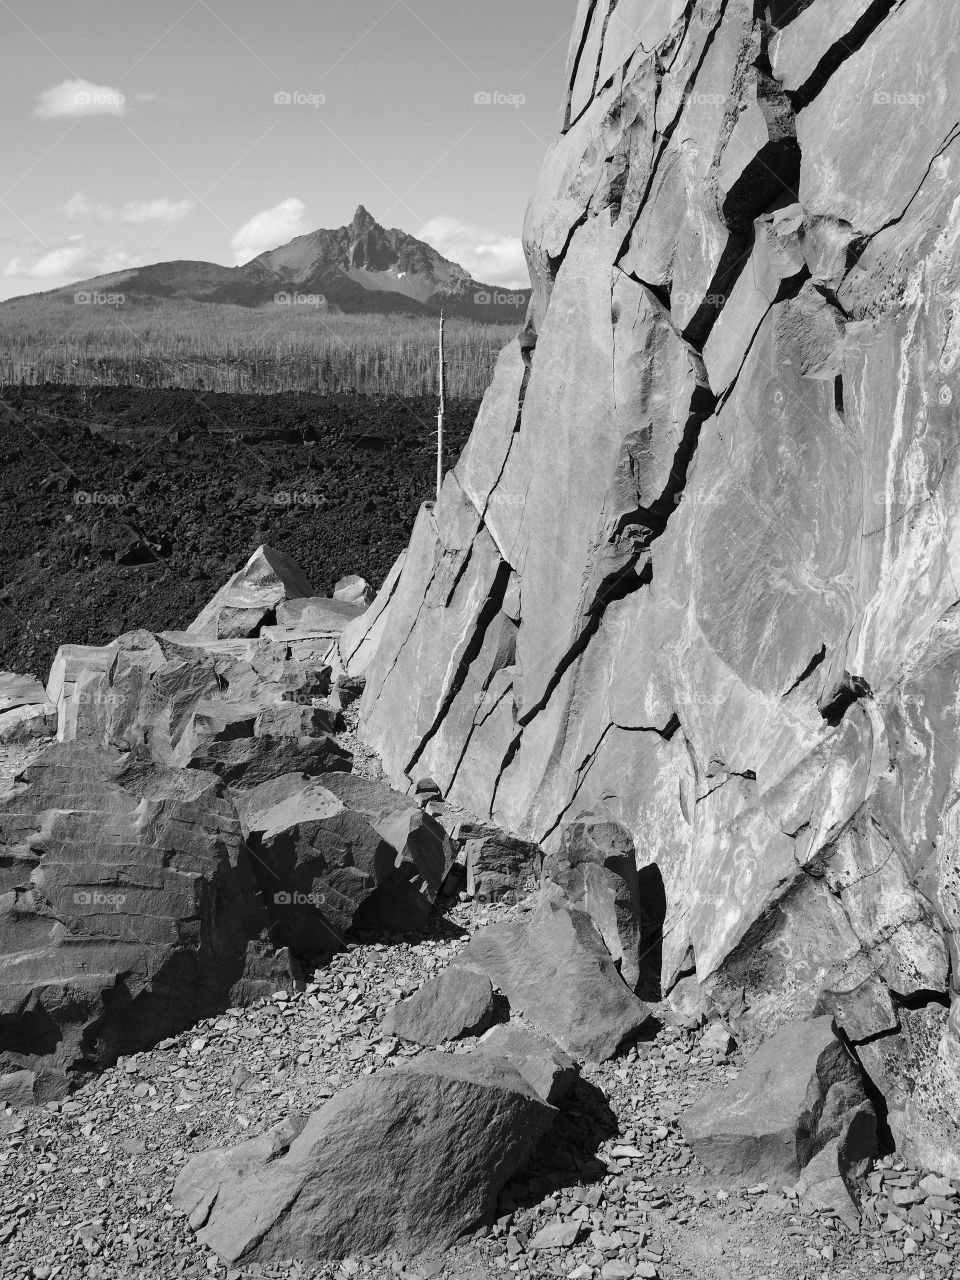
{"x":406,"y":1160}
{"x":698,"y":563}
{"x":128,"y":910}
{"x":798,"y":1112}
{"x":195,"y":827}
{"x":555,"y":970}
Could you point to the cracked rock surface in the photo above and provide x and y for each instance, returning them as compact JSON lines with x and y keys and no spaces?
{"x":696,"y":572}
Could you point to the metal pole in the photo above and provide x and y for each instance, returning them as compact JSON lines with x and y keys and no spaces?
{"x":440,"y":416}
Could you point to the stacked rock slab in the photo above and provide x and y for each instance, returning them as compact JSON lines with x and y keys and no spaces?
{"x":128,"y":911}
{"x":699,"y":558}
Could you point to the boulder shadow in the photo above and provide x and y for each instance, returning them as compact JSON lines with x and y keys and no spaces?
{"x":653,"y":913}
{"x":566,"y":1157}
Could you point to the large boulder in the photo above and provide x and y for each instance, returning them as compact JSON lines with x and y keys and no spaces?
{"x":405,"y":1160}
{"x":452,"y":1006}
{"x":698,"y":560}
{"x":595,"y":871}
{"x":129,"y":909}
{"x":918,"y":1074}
{"x":800,"y":1095}
{"x":556,"y":971}
{"x":251,"y":596}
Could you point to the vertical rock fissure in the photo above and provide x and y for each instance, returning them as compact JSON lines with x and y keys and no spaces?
{"x":839,"y":52}
{"x":568,"y":121}
{"x":490,"y":609}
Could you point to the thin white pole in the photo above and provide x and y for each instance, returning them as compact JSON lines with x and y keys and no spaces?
{"x":440,"y":416}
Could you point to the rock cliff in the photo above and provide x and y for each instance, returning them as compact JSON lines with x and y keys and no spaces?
{"x":697,"y":568}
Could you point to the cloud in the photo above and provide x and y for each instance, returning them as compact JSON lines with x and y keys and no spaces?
{"x":74,"y":98}
{"x":489,"y":258}
{"x":72,"y":260}
{"x":135,"y":212}
{"x":268,"y":230}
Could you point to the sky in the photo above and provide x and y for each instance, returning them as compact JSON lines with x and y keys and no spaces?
{"x":139,"y":131}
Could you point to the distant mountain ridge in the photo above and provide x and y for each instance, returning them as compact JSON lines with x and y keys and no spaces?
{"x":362,"y":267}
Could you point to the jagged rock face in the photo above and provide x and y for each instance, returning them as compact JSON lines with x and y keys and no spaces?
{"x":128,"y":910}
{"x":696,"y":568}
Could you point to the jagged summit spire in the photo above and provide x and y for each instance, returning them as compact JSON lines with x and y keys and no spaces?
{"x":362,"y":219}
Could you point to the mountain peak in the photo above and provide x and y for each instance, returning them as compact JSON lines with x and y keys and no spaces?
{"x":362,"y":220}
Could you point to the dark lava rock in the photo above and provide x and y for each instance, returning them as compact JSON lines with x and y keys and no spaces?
{"x":407,"y":1160}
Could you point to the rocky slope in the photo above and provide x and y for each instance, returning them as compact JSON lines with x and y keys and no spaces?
{"x":696,"y":570}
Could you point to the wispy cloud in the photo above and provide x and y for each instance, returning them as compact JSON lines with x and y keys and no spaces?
{"x":490,"y":258}
{"x":72,"y":260}
{"x":163,"y":209}
{"x":268,"y":230}
{"x":74,"y":98}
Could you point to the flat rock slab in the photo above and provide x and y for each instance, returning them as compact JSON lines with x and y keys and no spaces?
{"x":408,"y":1160}
{"x":800,"y":1092}
{"x":557,"y":972}
{"x":540,"y":1061}
{"x":456,"y":1004}
{"x":20,"y":691}
{"x":35,"y":720}
{"x":318,"y":615}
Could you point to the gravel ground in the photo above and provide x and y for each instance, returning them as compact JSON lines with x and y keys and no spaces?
{"x":85,"y":1184}
{"x":15,"y":756}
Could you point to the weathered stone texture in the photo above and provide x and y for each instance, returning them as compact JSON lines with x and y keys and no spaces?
{"x":698,"y":565}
